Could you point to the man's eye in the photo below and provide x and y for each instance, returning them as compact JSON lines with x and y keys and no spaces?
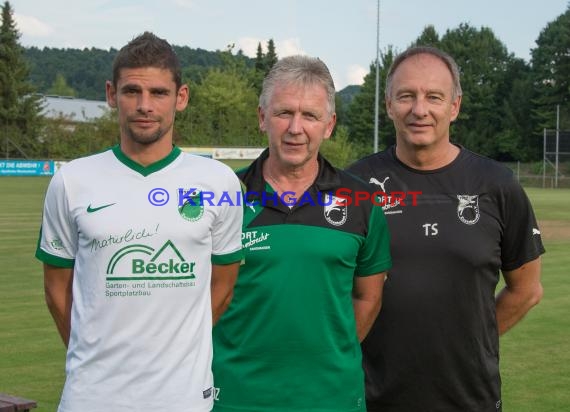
{"x":131,"y":91}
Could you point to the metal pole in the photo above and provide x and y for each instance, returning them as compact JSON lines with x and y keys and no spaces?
{"x":377,"y":97}
{"x":557,"y":145}
{"x":544,"y":158}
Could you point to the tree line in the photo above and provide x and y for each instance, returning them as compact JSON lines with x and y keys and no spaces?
{"x":507,"y":102}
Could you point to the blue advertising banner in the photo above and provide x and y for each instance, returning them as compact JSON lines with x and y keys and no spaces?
{"x":26,"y":167}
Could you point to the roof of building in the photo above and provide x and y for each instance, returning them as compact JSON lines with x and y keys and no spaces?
{"x":78,"y":110}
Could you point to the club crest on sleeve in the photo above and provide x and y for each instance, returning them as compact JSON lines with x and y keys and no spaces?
{"x":335,"y":209}
{"x":468,"y":209}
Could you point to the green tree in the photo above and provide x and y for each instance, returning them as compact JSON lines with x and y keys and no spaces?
{"x":551,"y":74}
{"x":429,"y":37}
{"x":496,"y":104}
{"x":270,"y":56}
{"x":258,"y":73}
{"x":65,"y":138}
{"x":361,"y":111}
{"x":338,"y":149}
{"x":60,"y":87}
{"x":222,"y":109}
{"x":515,"y":139}
{"x":19,"y":107}
{"x":486,"y":67}
{"x":86,"y":70}
{"x":259,"y":59}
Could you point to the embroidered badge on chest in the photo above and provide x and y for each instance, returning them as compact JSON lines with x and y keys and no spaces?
{"x":468,"y":209}
{"x":192,"y":206}
{"x":335,"y":209}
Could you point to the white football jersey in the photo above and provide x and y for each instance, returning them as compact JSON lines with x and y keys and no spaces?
{"x":141,"y":242}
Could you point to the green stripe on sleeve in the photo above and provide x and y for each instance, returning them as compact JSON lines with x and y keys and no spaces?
{"x":233,"y":257}
{"x":54,"y":260}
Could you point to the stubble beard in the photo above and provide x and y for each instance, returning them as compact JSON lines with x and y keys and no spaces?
{"x":144,"y":138}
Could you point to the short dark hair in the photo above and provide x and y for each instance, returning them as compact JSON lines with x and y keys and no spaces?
{"x":147,"y":50}
{"x":441,"y":55}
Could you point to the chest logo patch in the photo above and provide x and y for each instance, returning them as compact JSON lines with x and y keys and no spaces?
{"x":143,"y":262}
{"x":390,"y":201}
{"x":335,"y":209}
{"x":95,"y":209}
{"x":192,"y":205}
{"x":376,"y":182}
{"x":468,"y":209}
{"x":255,"y":240}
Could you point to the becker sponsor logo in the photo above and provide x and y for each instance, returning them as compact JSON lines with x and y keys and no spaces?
{"x":142,"y":262}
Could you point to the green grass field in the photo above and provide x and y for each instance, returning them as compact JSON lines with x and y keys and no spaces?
{"x":237,"y":163}
{"x":535,"y":355}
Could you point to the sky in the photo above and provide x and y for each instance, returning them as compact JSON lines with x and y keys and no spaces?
{"x":344,"y":34}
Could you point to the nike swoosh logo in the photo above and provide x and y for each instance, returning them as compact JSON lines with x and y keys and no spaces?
{"x":95,"y":209}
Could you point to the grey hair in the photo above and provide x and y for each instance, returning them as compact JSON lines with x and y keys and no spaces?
{"x":301,"y":70}
{"x":441,"y":55}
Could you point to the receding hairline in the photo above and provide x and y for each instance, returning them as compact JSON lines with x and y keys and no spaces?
{"x":418,"y":51}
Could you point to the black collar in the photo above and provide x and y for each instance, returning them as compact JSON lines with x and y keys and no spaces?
{"x":327,"y":179}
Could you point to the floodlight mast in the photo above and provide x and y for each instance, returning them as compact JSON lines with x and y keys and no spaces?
{"x":557,"y":145}
{"x":377,"y":95}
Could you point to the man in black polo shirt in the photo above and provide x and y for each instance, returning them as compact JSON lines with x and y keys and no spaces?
{"x":435,"y":345}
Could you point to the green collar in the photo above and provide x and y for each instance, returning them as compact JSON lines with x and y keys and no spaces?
{"x":151,"y":168}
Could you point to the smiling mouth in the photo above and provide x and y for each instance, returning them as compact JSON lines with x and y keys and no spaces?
{"x":293,"y":143}
{"x":420,"y":127}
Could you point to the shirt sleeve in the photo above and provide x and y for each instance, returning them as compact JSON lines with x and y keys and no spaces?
{"x":521,"y":240}
{"x":57,"y":243}
{"x":374,"y":256}
{"x":227,"y":229}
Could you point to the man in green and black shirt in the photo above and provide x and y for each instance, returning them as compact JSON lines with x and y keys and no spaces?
{"x":312,"y":281}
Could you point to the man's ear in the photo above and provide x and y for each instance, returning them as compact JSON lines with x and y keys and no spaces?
{"x":455,"y":106}
{"x":330,"y":126}
{"x":111,"y":94}
{"x":261,"y":118}
{"x":182,"y":97}
{"x":389,"y":108}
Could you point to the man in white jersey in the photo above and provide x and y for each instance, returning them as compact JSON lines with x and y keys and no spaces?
{"x":137,"y":269}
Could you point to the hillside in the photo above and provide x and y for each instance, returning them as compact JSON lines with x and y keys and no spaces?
{"x":86,"y":70}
